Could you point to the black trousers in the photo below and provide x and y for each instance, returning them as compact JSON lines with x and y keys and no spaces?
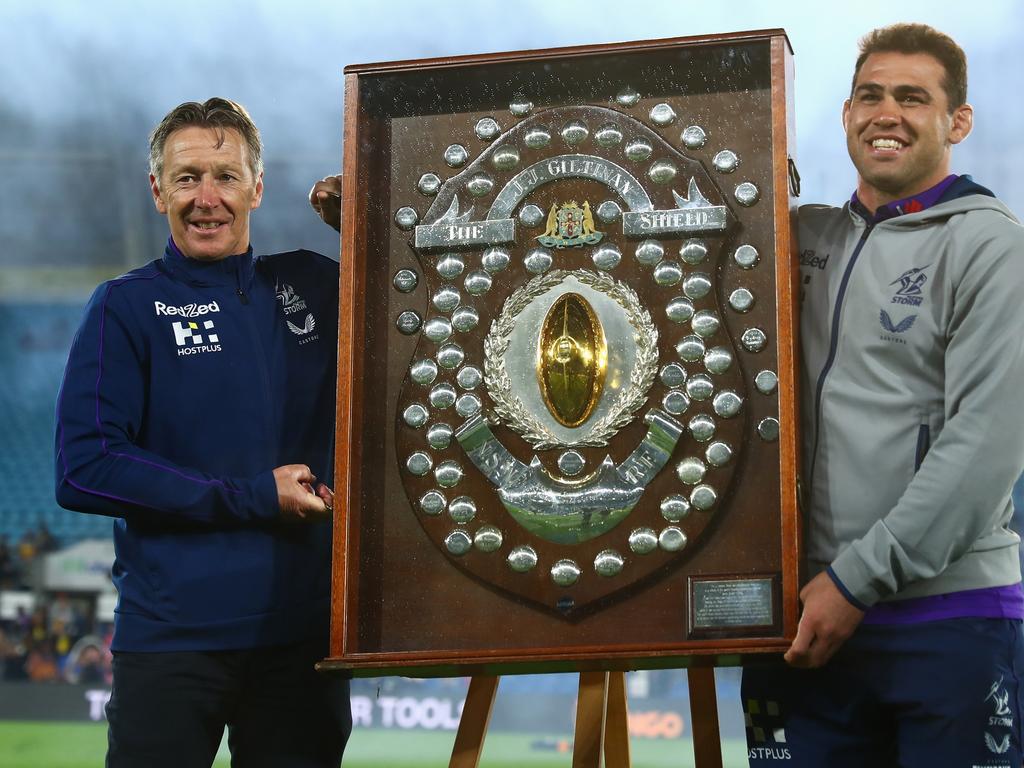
{"x":170,"y":709}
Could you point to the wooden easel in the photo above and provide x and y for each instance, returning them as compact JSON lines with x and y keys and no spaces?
{"x":601,"y":721}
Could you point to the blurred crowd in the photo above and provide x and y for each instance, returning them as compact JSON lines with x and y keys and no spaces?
{"x":58,"y":641}
{"x":16,"y":558}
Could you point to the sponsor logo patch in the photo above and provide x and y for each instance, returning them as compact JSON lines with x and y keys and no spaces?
{"x":193,"y":340}
{"x":769,"y":753}
{"x":308,"y":326}
{"x":892,"y":328}
{"x":902,"y":326}
{"x":764,"y":727}
{"x":810,"y":258}
{"x":997,"y":747}
{"x":186,"y":310}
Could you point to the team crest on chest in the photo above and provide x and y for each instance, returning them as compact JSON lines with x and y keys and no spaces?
{"x":909,"y":293}
{"x":910,"y":285}
{"x":298,"y":318}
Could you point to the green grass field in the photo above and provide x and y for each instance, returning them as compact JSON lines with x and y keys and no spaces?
{"x":82,"y":745}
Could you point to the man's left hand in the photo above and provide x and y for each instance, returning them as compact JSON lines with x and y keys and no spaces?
{"x":325,"y":197}
{"x":296,"y":496}
{"x":828,"y":619}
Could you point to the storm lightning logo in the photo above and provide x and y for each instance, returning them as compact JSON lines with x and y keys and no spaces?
{"x":291,"y":303}
{"x":910,"y":284}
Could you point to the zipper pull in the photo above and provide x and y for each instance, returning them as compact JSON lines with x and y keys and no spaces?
{"x":242,"y":297}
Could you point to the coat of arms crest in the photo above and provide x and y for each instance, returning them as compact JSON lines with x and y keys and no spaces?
{"x":570,"y":225}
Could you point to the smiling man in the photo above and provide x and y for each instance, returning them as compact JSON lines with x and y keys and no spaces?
{"x":197,"y":409}
{"x":909,"y":650}
{"x":204,"y":185}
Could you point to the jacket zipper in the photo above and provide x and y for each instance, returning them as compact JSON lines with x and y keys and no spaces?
{"x":261,"y":358}
{"x":240,"y":283}
{"x":833,"y":347}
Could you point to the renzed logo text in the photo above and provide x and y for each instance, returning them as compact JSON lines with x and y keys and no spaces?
{"x":188,"y":310}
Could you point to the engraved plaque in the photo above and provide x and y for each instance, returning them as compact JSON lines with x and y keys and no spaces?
{"x":723,"y":604}
{"x":551,"y":404}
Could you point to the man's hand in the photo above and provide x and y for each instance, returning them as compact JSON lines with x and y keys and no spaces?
{"x":828,"y":619}
{"x":296,"y":496}
{"x":325,"y":197}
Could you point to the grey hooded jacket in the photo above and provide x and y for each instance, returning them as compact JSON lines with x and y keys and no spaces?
{"x":912,"y":395}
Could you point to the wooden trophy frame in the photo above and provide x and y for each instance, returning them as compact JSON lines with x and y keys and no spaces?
{"x":446,"y":168}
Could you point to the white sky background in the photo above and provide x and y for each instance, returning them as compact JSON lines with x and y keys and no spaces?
{"x":65,"y":58}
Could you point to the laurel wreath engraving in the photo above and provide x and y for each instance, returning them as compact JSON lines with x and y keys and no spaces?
{"x":511,"y":409}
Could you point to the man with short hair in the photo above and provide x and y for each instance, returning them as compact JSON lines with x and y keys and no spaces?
{"x":197,"y":409}
{"x":909,"y":650}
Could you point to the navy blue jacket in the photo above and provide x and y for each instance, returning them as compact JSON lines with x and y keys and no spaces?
{"x":186,"y":385}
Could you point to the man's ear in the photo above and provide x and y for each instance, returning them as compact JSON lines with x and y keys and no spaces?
{"x":846,"y":113}
{"x":963,"y":122}
{"x":258,"y":198}
{"x":158,"y":200}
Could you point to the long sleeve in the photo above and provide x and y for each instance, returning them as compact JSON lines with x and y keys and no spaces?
{"x":100,"y":466}
{"x":957,"y":500}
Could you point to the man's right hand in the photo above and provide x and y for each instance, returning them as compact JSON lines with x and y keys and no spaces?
{"x":828,"y":619}
{"x":295,"y":494}
{"x":325,"y":197}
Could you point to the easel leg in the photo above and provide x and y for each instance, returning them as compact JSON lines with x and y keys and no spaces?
{"x":476,"y":714}
{"x":707,"y":745}
{"x":616,"y":735}
{"x":591,"y":708}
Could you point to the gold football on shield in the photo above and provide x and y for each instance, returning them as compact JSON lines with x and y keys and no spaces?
{"x":572,"y":359}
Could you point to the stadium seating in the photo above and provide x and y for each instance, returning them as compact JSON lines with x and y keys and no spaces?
{"x":34,"y":341}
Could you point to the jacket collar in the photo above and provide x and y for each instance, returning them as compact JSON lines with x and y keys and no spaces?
{"x":963,"y":193}
{"x":234,"y":271}
{"x":913,"y":204}
{"x":964,"y":186}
